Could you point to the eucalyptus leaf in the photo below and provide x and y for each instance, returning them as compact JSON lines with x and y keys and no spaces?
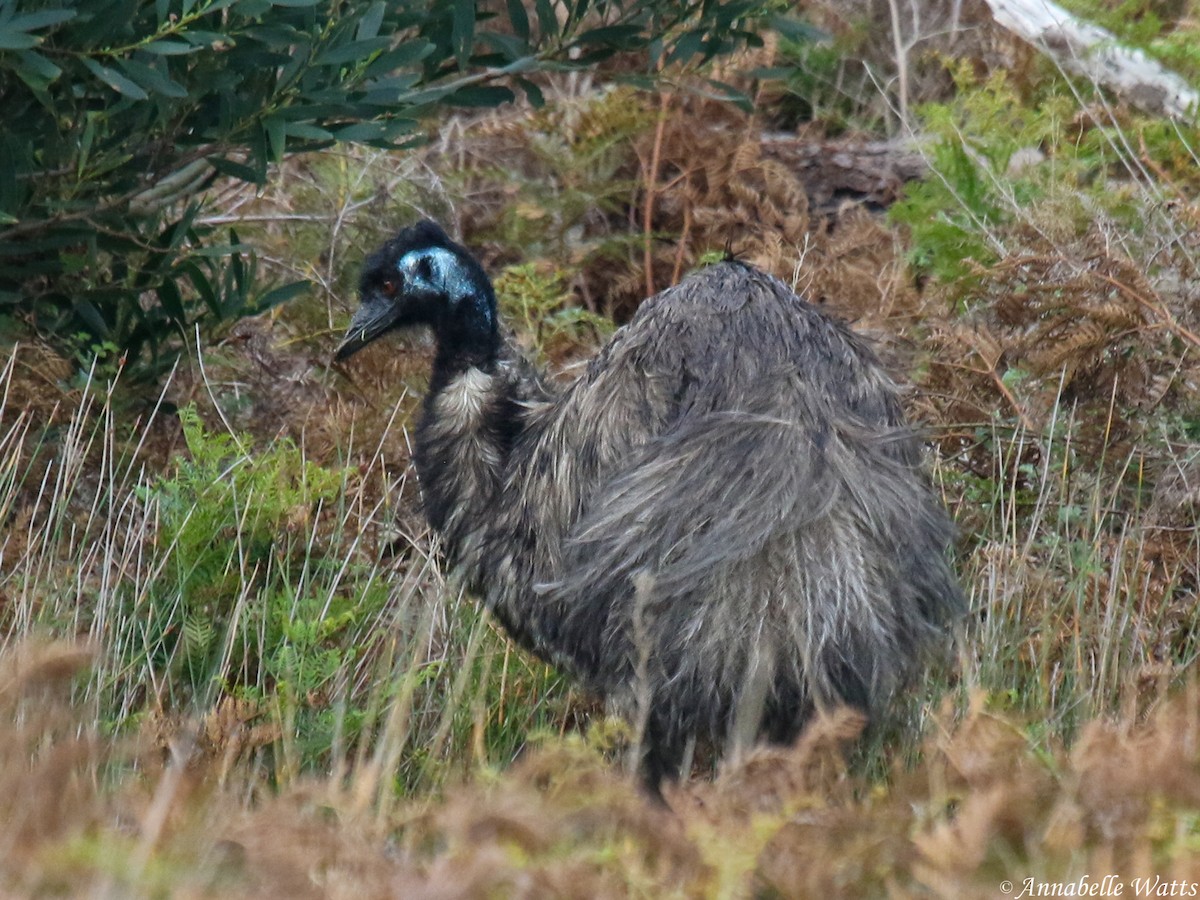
{"x":533,"y":93}
{"x":152,"y":79}
{"x":547,"y":20}
{"x":407,"y":53}
{"x":519,"y":19}
{"x":372,"y":19}
{"x":618,"y":36}
{"x":36,"y":63}
{"x":796,"y":30}
{"x":276,"y":131}
{"x":234,"y":169}
{"x":115,"y":80}
{"x":352,"y":52}
{"x":481,"y":95}
{"x":43,"y":18}
{"x":168,"y":48}
{"x":462,"y":32}
{"x":361,"y":131}
{"x":307,"y":132}
{"x":11,"y":39}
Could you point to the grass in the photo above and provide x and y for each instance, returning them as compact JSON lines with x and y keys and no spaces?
{"x":258,"y":579}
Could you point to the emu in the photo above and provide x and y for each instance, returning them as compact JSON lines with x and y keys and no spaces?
{"x":721,"y":526}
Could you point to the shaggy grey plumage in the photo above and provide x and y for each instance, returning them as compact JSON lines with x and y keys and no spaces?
{"x":721,"y":525}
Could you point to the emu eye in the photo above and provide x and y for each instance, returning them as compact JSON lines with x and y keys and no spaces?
{"x":389,"y":287}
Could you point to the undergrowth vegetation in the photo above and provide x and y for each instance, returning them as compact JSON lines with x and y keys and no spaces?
{"x":232,"y":662}
{"x":246,"y":599}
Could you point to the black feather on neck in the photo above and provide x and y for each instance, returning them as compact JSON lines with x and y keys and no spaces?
{"x":467,"y":336}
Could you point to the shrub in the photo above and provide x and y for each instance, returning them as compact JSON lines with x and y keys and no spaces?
{"x":118,"y":113}
{"x":242,"y":599}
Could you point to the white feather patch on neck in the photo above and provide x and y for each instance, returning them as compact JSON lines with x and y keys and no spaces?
{"x":463,"y":398}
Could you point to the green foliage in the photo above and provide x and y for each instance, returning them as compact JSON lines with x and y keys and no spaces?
{"x":824,"y":80}
{"x":995,"y":157}
{"x":1001,"y":158}
{"x":242,"y":600}
{"x":480,"y":710}
{"x":538,"y":303}
{"x":1150,"y":27}
{"x":577,"y":166}
{"x":250,"y":602}
{"x":118,"y":113}
{"x":970,"y":194}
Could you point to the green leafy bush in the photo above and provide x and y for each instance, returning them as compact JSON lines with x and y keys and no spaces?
{"x":243,"y":598}
{"x":994,"y":156}
{"x":1165,"y":31}
{"x":952,"y":214}
{"x":257,"y":597}
{"x":1006,"y":158}
{"x":537,"y":302}
{"x":118,"y":113}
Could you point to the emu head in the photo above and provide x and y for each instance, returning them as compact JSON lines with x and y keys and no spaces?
{"x":421,"y":277}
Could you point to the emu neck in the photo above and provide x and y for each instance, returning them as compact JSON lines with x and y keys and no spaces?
{"x":467,"y":338}
{"x":466,"y":432}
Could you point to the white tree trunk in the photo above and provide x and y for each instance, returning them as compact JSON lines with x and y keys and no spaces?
{"x":1094,"y":53}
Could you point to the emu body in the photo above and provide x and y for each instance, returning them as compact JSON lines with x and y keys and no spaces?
{"x":721,"y":526}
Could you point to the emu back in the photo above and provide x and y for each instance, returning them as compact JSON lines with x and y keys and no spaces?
{"x":721,"y":526}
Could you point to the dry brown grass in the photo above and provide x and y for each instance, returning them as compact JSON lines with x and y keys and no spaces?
{"x":84,"y":815}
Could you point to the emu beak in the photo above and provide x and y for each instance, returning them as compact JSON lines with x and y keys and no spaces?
{"x":372,"y":318}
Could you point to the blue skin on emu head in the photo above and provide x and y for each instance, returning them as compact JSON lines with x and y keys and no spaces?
{"x":421,"y":277}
